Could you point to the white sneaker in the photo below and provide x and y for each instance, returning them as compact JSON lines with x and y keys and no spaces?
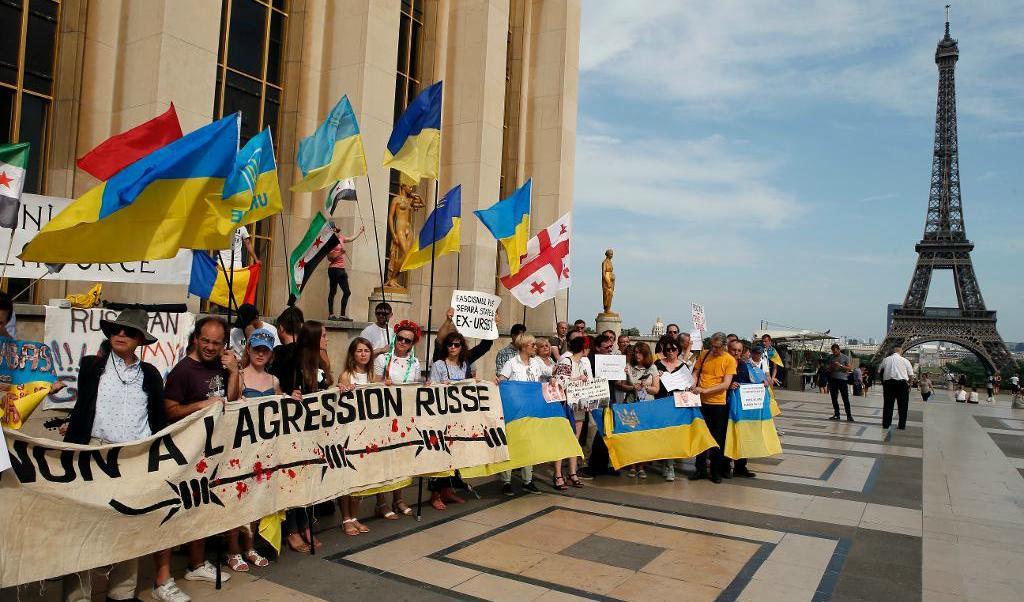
{"x":169,"y":592}
{"x":670,"y":473}
{"x":206,"y":572}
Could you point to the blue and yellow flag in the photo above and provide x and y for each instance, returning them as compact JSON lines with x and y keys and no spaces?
{"x":652,"y":430}
{"x":509,"y":222}
{"x":537,"y":431}
{"x":415,"y":144}
{"x":251,"y":191}
{"x":751,"y":433}
{"x":334,"y":151}
{"x":441,"y":233}
{"x":773,"y":357}
{"x":150,"y":209}
{"x":29,"y":365}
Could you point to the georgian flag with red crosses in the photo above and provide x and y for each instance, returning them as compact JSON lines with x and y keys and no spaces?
{"x":545,"y":268}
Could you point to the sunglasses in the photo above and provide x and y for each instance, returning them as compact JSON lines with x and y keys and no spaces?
{"x":382,"y":313}
{"x":131,"y":333}
{"x":670,"y":349}
{"x":455,"y":344}
{"x":399,"y":339}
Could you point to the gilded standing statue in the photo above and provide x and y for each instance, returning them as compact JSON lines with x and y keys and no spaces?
{"x":607,"y":281}
{"x":400,"y":230}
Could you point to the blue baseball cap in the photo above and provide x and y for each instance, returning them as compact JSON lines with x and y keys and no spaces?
{"x":261,"y":337}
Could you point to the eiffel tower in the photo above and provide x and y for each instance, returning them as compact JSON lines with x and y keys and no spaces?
{"x":945,"y":247}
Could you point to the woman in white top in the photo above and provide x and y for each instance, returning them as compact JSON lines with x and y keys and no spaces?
{"x":573,"y":367}
{"x":670,"y":362}
{"x":356,"y":372}
{"x":545,"y":350}
{"x":397,"y":367}
{"x":524,"y":366}
{"x":642,"y":383}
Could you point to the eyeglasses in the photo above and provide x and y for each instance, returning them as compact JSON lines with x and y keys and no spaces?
{"x":455,"y":344}
{"x":399,"y":339}
{"x":670,"y":349}
{"x":131,"y":333}
{"x":382,"y":313}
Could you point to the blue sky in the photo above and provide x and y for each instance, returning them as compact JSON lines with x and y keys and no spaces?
{"x":772,"y":160}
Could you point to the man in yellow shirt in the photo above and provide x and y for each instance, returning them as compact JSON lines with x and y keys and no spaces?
{"x":715,"y":370}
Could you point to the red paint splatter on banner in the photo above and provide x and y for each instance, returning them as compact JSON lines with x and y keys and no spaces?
{"x":241,"y":488}
{"x":360,"y":454}
{"x":413,"y":419}
{"x":474,"y":434}
{"x":403,"y":435}
{"x":201,"y":467}
{"x":394,"y":425}
{"x":372,"y":448}
{"x":433,"y":440}
{"x":291,"y":473}
{"x":258,"y":469}
{"x":236,"y":463}
{"x":294,"y":446}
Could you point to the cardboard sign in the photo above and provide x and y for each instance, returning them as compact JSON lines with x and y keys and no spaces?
{"x":699,"y":321}
{"x":680,"y":380}
{"x":476,"y":314}
{"x":590,"y":394}
{"x":610,"y":366}
{"x":686,"y":399}
{"x":75,"y":333}
{"x":696,"y":340}
{"x":752,"y":396}
{"x":37,"y":211}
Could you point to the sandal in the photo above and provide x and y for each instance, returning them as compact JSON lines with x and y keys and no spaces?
{"x":559,"y":483}
{"x":362,"y":528}
{"x":384,"y":511}
{"x":302,"y":548}
{"x":402,"y":508}
{"x":575,"y":480}
{"x":254,"y":557}
{"x":236,"y":563}
{"x":348,"y":526}
{"x":437,"y":502}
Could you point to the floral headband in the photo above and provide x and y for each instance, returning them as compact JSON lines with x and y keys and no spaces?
{"x":409,"y":325}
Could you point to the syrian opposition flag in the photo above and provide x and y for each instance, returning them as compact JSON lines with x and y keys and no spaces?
{"x":343,"y":190}
{"x":13,"y":161}
{"x":311,"y":250}
{"x":544,"y":270}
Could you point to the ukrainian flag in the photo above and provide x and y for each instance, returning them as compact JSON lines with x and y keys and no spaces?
{"x":29,"y":365}
{"x":537,"y":431}
{"x":441,"y":233}
{"x":509,"y":222}
{"x":773,"y":357}
{"x":652,"y":430}
{"x":334,"y":151}
{"x":150,"y":209}
{"x":750,"y":433}
{"x":415,"y":144}
{"x":252,"y":192}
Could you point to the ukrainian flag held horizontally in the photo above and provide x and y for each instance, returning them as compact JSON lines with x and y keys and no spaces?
{"x":509,"y":222}
{"x":537,"y":431}
{"x":415,"y":144}
{"x":652,"y":430}
{"x":334,"y":151}
{"x":252,"y":191}
{"x":441,"y":233}
{"x":150,"y":209}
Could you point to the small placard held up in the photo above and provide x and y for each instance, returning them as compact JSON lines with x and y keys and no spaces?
{"x":610,"y":366}
{"x":590,"y":394}
{"x":475,"y":314}
{"x":752,"y":396}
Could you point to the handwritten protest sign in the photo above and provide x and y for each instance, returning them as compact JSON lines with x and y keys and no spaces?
{"x":752,"y":396}
{"x":75,"y":333}
{"x":226,"y":466}
{"x":36,"y":211}
{"x":679,"y":380}
{"x":475,"y":314}
{"x":610,"y":366}
{"x":699,"y":321}
{"x":590,"y":394}
{"x":26,"y":368}
{"x":696,"y":340}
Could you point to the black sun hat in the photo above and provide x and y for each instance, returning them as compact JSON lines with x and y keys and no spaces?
{"x":136,"y":319}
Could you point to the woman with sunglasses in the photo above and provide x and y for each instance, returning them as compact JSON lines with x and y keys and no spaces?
{"x":573,"y":367}
{"x":670,"y":362}
{"x":357,"y":371}
{"x":397,"y":367}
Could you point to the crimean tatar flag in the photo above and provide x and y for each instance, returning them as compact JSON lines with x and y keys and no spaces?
{"x":150,"y":209}
{"x":210,"y":281}
{"x":441,"y":233}
{"x":652,"y":430}
{"x":509,"y":222}
{"x":415,"y":144}
{"x":13,"y":162}
{"x":251,"y":191}
{"x":334,"y":151}
{"x":536,"y":431}
{"x":751,"y":433}
{"x":545,"y":267}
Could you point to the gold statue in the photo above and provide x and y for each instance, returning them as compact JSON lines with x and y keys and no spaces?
{"x":607,"y":281}
{"x":400,"y":229}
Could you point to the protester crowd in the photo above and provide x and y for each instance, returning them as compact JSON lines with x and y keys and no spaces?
{"x":124,"y":399}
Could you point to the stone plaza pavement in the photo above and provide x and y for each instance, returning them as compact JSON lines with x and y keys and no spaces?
{"x":848,"y":512}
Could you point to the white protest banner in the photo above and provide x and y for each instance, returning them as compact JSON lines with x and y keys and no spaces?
{"x":752,"y":396}
{"x":686,"y":399}
{"x":36,"y":211}
{"x":5,"y":457}
{"x":226,"y":466}
{"x":680,"y":380}
{"x":476,"y":314}
{"x":590,"y":394}
{"x":610,"y":366}
{"x":696,"y":340}
{"x":75,"y":333}
{"x":699,"y":321}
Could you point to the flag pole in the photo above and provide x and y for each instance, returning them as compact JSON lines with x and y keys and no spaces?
{"x":376,"y":237}
{"x":430,"y":317}
{"x":7,"y":257}
{"x":231,"y":289}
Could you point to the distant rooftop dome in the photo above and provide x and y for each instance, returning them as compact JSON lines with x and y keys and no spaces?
{"x":659,"y":328}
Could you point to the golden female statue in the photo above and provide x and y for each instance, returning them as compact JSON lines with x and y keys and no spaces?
{"x":607,"y":281}
{"x":400,"y":229}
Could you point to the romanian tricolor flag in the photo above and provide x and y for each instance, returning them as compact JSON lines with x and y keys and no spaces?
{"x":537,"y":431}
{"x":334,"y":151}
{"x":209,"y":281}
{"x":251,"y":192}
{"x":441,"y":233}
{"x":751,"y":433}
{"x":652,"y":430}
{"x":150,"y":209}
{"x":509,"y":222}
{"x":29,"y":365}
{"x":415,"y":144}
